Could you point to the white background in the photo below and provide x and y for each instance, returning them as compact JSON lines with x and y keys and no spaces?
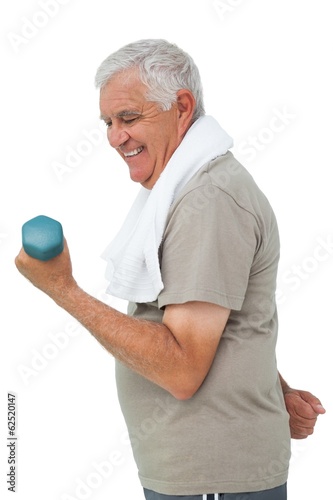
{"x":257,"y":58}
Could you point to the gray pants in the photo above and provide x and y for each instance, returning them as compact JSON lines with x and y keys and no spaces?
{"x":279,"y":493}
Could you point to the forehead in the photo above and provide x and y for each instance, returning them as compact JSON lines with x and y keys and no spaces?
{"x":124,"y":92}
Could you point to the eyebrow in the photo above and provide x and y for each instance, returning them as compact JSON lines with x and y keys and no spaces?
{"x":121,"y":114}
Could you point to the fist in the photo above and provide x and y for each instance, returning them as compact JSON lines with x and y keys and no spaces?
{"x":53,"y":277}
{"x":304,"y":409}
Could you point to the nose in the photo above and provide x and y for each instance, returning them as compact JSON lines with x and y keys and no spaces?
{"x":117,"y":136}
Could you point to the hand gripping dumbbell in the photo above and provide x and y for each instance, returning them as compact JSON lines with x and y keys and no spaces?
{"x":42,"y":238}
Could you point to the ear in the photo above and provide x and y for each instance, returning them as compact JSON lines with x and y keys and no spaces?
{"x":186,"y":106}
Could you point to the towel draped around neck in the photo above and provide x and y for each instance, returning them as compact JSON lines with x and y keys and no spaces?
{"x":133,"y":268}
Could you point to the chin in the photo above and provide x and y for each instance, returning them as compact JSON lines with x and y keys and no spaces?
{"x":142,"y":177}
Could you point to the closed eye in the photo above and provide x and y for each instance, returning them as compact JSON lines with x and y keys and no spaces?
{"x":128,"y":122}
{"x":124,"y":117}
{"x":131,"y":120}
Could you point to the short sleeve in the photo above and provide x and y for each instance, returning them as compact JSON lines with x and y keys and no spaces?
{"x":208,"y":249}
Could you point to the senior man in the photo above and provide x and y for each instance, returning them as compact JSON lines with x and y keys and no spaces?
{"x":207,"y":412}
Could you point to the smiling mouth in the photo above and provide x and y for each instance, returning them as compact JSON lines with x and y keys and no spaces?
{"x":136,"y":152}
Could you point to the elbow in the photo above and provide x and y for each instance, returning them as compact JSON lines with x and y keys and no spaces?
{"x":183,"y":396}
{"x":184,"y":383}
{"x":184,"y":392}
{"x":180,"y":396}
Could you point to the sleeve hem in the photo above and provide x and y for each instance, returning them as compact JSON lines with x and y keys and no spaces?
{"x":230,"y":302}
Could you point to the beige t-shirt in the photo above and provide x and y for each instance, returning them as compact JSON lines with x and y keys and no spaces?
{"x":220,"y":245}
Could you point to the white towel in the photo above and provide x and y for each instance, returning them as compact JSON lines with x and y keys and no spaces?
{"x":132,"y":257}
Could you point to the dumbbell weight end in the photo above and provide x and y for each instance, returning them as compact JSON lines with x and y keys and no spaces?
{"x":42,"y":238}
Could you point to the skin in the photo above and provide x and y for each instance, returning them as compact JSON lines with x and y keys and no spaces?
{"x":303,"y":408}
{"x":133,"y":122}
{"x":174,"y":354}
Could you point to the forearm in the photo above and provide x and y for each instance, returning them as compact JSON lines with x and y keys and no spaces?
{"x":148,"y":348}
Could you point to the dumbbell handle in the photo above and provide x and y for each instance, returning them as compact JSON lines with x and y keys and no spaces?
{"x":42,"y":237}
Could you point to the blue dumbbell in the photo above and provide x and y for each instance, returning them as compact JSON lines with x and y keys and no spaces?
{"x":42,"y":238}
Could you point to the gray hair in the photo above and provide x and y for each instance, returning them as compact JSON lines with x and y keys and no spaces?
{"x":163,"y":67}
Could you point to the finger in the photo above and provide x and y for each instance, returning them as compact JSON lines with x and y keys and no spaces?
{"x":298,"y":432}
{"x":303,"y":423}
{"x":295,"y":435}
{"x":314,"y":402}
{"x":319,"y":409}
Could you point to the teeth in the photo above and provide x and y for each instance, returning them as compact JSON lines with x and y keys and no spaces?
{"x":134,"y":153}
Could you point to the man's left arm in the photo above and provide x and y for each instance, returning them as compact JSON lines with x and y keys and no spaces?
{"x":175,"y":354}
{"x":303,"y":408}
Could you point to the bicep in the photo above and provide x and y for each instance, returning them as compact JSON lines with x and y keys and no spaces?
{"x":197,"y":327}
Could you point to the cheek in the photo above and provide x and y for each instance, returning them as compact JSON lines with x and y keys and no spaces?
{"x":162,"y":141}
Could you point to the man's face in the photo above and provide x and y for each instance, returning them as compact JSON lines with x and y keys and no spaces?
{"x":144,"y":136}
